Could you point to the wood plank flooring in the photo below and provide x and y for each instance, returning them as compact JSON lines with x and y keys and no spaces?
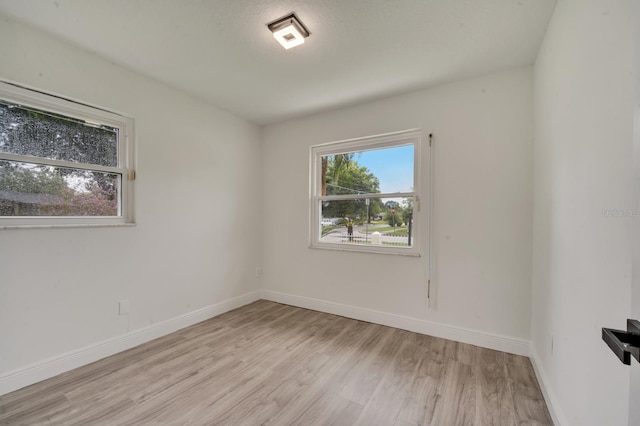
{"x":268,"y":363}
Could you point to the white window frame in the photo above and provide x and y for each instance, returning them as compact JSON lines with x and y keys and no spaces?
{"x":387,"y":140}
{"x":13,"y":93}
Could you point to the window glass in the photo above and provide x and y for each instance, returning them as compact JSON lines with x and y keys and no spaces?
{"x":28,"y":131}
{"x":40,"y":190}
{"x":370,"y":171}
{"x":63,"y":163}
{"x":364,"y":193}
{"x":389,"y":223}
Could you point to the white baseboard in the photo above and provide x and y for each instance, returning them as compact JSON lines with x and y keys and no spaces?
{"x":59,"y":364}
{"x":547,"y":391}
{"x":474,"y":337}
{"x":45,"y":369}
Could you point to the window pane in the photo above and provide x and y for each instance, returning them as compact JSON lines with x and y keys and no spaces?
{"x":35,"y":190}
{"x":27,"y":131}
{"x":345,"y":222}
{"x":375,"y":171}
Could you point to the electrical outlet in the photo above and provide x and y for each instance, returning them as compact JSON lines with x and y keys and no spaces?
{"x":258,"y":271}
{"x":123,"y":307}
{"x":551,"y":344}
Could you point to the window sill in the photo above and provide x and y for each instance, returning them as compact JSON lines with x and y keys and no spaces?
{"x":69,"y":225}
{"x":361,"y":249}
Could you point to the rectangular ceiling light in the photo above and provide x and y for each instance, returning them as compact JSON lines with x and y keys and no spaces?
{"x":289,"y":31}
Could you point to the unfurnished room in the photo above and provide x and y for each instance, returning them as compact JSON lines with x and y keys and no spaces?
{"x":320,"y":212}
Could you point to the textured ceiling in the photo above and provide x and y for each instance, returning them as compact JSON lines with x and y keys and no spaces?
{"x":222,"y":52}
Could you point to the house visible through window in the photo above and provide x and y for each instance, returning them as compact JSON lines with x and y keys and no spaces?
{"x":62,"y":162}
{"x":366,"y":193}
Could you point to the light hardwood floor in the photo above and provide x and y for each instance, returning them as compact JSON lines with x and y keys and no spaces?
{"x":268,"y":363}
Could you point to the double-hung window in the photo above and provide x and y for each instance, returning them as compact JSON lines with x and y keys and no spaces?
{"x":365,"y":194}
{"x":62,"y":162}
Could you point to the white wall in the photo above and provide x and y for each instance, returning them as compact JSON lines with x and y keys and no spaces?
{"x":634,"y":390}
{"x":583,"y":165}
{"x":196,"y":243}
{"x":483,"y":131}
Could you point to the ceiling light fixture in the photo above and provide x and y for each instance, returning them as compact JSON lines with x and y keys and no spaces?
{"x":289,"y":31}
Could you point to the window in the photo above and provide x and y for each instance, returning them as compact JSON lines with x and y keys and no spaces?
{"x":62,"y":162}
{"x":365,"y":194}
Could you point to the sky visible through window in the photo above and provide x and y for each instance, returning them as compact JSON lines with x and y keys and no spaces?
{"x":392,"y":166}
